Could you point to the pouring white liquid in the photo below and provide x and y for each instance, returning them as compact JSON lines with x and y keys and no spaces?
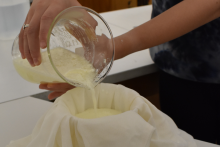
{"x":73,"y":67}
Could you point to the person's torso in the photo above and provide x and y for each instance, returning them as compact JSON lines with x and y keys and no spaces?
{"x":194,"y":56}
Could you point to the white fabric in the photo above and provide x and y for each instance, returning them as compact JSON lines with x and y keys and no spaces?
{"x":140,"y":125}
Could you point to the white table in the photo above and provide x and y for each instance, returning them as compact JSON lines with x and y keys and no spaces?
{"x":18,"y":118}
{"x":138,"y":64}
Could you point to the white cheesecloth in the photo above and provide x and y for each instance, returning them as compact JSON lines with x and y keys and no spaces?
{"x":140,"y":125}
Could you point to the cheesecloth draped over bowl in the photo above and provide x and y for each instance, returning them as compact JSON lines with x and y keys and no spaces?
{"x":140,"y":125}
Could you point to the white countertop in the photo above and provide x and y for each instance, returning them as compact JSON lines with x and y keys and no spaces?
{"x":18,"y":118}
{"x":136,"y":64}
{"x":128,"y":18}
{"x":12,"y":86}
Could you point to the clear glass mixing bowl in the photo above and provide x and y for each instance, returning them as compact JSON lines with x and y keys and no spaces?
{"x":79,"y":30}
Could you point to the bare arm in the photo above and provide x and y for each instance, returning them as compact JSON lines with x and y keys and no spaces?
{"x":175,"y":22}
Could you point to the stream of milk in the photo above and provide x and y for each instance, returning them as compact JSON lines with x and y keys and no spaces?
{"x":74,"y":67}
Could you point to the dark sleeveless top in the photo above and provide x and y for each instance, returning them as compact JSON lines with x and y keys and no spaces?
{"x":194,"y":56}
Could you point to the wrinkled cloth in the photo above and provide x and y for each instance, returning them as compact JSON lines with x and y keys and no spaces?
{"x":140,"y":125}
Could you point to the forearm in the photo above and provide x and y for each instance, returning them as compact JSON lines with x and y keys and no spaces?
{"x":175,"y":22}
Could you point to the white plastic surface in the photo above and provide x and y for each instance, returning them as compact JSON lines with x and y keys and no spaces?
{"x":12,"y":17}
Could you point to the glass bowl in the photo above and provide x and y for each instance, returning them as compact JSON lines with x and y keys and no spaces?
{"x":77,"y":30}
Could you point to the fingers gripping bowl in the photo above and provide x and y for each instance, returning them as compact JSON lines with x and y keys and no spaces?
{"x":76,"y":33}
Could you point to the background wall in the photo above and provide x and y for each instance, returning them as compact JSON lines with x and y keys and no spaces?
{"x":110,"y":5}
